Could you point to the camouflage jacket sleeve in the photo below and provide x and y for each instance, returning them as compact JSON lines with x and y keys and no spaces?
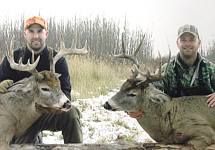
{"x":213,"y":80}
{"x":209,"y":70}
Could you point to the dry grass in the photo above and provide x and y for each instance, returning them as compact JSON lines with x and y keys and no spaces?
{"x":92,"y":77}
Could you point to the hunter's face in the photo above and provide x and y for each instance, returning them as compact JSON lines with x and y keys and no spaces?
{"x":188,"y":45}
{"x":36,"y":36}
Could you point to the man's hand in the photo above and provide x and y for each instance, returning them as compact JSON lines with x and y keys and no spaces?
{"x":211,"y":100}
{"x":4,"y":85}
{"x":136,"y":115}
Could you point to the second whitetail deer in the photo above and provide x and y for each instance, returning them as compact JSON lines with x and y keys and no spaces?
{"x":184,"y":120}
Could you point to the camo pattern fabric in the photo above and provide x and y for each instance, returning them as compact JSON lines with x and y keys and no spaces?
{"x":177,"y":81}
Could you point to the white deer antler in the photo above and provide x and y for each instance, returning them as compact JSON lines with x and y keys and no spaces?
{"x":149,"y":76}
{"x":157,"y":76}
{"x":71,"y":51}
{"x":20,"y":66}
{"x":130,"y":57}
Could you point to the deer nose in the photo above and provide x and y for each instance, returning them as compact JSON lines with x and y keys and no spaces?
{"x":107,"y":106}
{"x":67,"y":105}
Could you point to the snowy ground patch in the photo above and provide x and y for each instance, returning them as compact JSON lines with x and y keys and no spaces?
{"x":102,"y":126}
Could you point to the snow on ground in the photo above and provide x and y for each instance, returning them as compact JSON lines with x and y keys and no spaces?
{"x":102,"y":126}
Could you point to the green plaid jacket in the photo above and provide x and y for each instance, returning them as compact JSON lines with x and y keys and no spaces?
{"x":182,"y":80}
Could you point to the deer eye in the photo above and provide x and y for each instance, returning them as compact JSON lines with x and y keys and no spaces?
{"x":132,"y":94}
{"x":45,"y":89}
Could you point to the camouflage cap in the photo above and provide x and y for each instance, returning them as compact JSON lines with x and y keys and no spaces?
{"x":35,"y":19}
{"x":188,"y":29}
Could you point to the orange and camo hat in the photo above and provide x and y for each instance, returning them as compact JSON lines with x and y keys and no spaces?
{"x":35,"y":19}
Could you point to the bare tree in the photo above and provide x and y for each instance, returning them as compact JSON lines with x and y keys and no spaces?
{"x":103,"y":35}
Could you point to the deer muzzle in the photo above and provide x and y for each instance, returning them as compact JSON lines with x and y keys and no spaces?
{"x":67,"y":105}
{"x":108,"y":107}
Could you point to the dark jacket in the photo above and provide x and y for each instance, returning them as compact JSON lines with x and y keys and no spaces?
{"x":61,"y":67}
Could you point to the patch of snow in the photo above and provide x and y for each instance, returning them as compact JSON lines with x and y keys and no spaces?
{"x":103,"y":126}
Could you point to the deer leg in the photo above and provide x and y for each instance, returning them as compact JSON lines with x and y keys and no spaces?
{"x":7,"y":131}
{"x":197,"y":143}
{"x":204,"y":136}
{"x":4,"y":146}
{"x":210,"y":146}
{"x":5,"y":139}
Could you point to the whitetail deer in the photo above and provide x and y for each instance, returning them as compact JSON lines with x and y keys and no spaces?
{"x":29,"y":98}
{"x":185,"y":120}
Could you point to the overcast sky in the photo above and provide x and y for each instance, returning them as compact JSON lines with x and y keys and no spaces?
{"x":160,"y":17}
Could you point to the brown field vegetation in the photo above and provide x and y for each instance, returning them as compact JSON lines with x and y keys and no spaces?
{"x":92,"y":77}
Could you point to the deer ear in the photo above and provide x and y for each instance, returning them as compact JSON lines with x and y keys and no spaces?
{"x":160,"y":97}
{"x":23,"y":85}
{"x":39,"y":77}
{"x":58,"y":75}
{"x":156,"y":95}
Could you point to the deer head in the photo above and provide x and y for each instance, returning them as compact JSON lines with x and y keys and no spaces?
{"x":43,"y":87}
{"x":137,"y":90}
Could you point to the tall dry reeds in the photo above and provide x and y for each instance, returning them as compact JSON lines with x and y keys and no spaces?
{"x":93,"y":77}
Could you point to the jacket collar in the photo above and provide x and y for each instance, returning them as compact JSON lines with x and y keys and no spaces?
{"x":45,"y":50}
{"x":180,"y":62}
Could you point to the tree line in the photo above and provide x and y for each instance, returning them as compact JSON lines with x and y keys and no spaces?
{"x":104,"y":36}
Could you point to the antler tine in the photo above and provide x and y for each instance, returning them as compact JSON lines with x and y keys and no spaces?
{"x":20,"y":66}
{"x":74,"y":40}
{"x":155,"y":77}
{"x":167,"y":67}
{"x":123,"y":45}
{"x":138,"y":48}
{"x":71,"y":51}
{"x":160,"y":63}
{"x":130,"y":57}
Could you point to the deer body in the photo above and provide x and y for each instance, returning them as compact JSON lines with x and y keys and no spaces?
{"x":184,"y":120}
{"x":13,"y":112}
{"x":26,"y":101}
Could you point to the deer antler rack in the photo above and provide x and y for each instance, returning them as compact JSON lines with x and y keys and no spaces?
{"x":157,"y":76}
{"x":31,"y":67}
{"x":20,"y":66}
{"x":130,"y":57}
{"x":71,"y":51}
